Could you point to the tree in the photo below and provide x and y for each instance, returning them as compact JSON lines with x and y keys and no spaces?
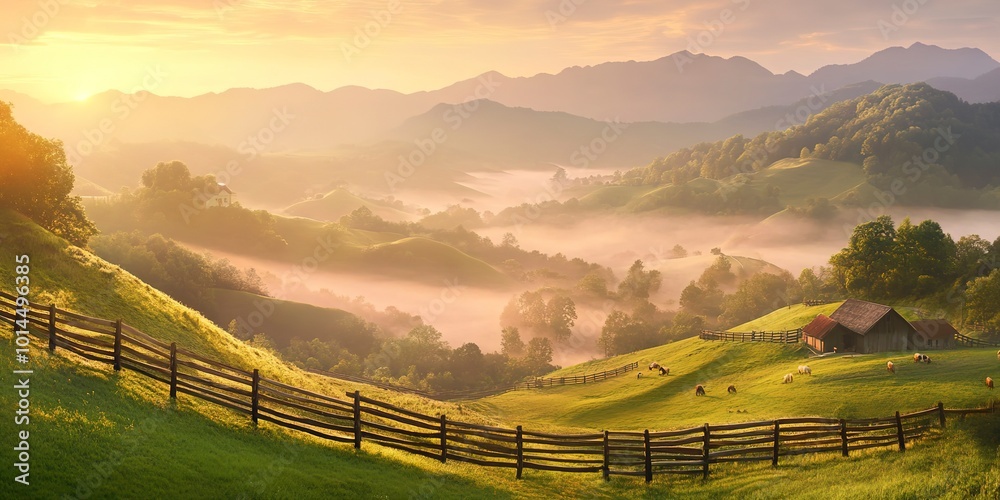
{"x":36,"y":181}
{"x":705,"y":299}
{"x":864,"y":266}
{"x":762,"y":293}
{"x":639,"y":283}
{"x":167,"y":176}
{"x":678,"y":252}
{"x":623,"y":333}
{"x":560,"y":316}
{"x":539,"y":356}
{"x":923,"y":255}
{"x":511,"y":343}
{"x":509,"y":240}
{"x":983,"y":301}
{"x":594,"y":283}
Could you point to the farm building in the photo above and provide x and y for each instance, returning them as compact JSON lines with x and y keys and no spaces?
{"x":934,"y":334}
{"x":823,"y":334}
{"x":862,"y":327}
{"x":222,"y":198}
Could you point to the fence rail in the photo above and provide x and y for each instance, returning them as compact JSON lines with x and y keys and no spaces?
{"x":777,"y":337}
{"x":974,"y":342}
{"x":535,"y":383}
{"x":360,"y":419}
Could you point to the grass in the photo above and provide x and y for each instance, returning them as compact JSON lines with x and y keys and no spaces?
{"x":841,"y":386}
{"x":798,"y":179}
{"x":787,"y":318}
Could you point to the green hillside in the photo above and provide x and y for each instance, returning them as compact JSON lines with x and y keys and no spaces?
{"x":841,"y":386}
{"x":283,"y":320}
{"x":340,"y":202}
{"x":98,"y":433}
{"x":787,"y":318}
{"x":425,"y":257}
{"x":799,"y":179}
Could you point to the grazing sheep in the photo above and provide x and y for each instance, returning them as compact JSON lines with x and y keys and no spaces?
{"x":654,"y":365}
{"x":788,"y":379}
{"x":805,"y":370}
{"x":925,"y":358}
{"x":917,"y":357}
{"x":731,"y":389}
{"x":664,"y":371}
{"x":890,"y":367}
{"x":699,"y":391}
{"x":835,"y":349}
{"x":989,"y":382}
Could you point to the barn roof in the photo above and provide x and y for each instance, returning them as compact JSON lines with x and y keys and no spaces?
{"x":820,"y":326}
{"x":935,"y":328}
{"x":859,"y":316}
{"x":223,"y":187}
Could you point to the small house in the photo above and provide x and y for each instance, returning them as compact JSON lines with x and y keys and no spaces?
{"x":222,"y":198}
{"x":862,"y":327}
{"x":933,"y":334}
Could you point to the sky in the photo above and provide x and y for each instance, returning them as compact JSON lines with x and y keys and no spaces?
{"x":63,"y":50}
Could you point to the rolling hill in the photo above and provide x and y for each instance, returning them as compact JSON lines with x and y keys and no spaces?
{"x":122,"y":425}
{"x":340,"y":202}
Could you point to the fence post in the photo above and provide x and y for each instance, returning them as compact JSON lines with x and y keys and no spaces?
{"x":444,"y":439}
{"x":520,"y":452}
{"x":941,"y":413}
{"x":52,"y":327}
{"x":607,"y":458}
{"x":777,"y":435}
{"x":705,"y":450}
{"x":254,"y":399}
{"x":843,"y":437}
{"x":118,"y":345}
{"x":649,"y":456}
{"x":173,"y":370}
{"x":899,"y":432}
{"x":357,"y":420}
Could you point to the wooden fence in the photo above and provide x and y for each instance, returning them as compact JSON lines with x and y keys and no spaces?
{"x":534,"y":383}
{"x":779,"y":337}
{"x":973,"y":342}
{"x":358,"y":419}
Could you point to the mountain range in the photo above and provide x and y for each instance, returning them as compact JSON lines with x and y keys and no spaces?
{"x":500,"y":121}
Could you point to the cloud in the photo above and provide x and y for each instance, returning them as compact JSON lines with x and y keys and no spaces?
{"x":424,"y":44}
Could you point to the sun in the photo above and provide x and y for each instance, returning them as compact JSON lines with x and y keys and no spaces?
{"x":82,"y":96}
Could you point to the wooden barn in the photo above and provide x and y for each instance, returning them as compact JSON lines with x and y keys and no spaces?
{"x":933,"y":334}
{"x":823,"y":334}
{"x":862,"y":327}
